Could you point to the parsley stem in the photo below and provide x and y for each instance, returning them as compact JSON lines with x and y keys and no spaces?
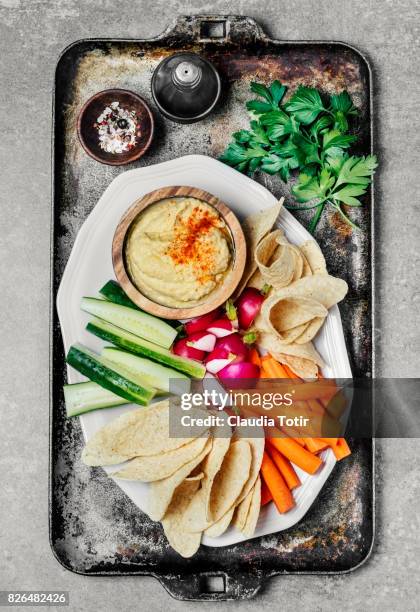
{"x":345,"y":217}
{"x":316,"y":217}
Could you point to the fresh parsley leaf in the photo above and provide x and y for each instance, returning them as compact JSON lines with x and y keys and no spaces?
{"x":357,"y":170}
{"x":341,"y":107}
{"x":321,"y":125}
{"x":334,"y":138}
{"x":272,"y":96}
{"x":342,"y":102}
{"x":261,"y":90}
{"x":258,"y":107}
{"x":242,"y":136}
{"x":277,"y":91}
{"x":305,"y":105}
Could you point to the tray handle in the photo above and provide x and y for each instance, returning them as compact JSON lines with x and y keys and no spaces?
{"x":217,"y":29}
{"x":213,"y":586}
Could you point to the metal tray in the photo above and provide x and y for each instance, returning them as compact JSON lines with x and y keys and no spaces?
{"x":94,"y":529}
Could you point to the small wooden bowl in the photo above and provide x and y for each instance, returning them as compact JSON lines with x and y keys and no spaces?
{"x":88,"y":134}
{"x":220,"y":295}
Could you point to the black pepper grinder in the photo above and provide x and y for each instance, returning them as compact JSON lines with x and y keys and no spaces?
{"x":185,"y":87}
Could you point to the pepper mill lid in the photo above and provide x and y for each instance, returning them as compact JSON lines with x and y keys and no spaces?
{"x":185,"y":87}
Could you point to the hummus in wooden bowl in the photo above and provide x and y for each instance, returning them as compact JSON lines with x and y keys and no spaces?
{"x":179,"y":252}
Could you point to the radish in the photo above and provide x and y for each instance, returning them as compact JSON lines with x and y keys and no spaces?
{"x":182,"y":349}
{"x":241,"y":369}
{"x":233,"y":344}
{"x":218,"y":359}
{"x":202,"y":340}
{"x":248,"y":306}
{"x":200,"y":323}
{"x":230,"y":349}
{"x":221,"y":327}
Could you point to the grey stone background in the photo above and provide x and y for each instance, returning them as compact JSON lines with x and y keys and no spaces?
{"x":32,"y":34}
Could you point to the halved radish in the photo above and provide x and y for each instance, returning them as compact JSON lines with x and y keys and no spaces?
{"x":182,"y":349}
{"x":233,"y":344}
{"x":200,"y":323}
{"x":202,"y":340}
{"x":218,"y":359}
{"x":221,"y":327}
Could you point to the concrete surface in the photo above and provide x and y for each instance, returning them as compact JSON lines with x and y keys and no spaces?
{"x":32,"y":34}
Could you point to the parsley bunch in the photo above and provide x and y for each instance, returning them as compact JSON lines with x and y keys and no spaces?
{"x":308,"y":137}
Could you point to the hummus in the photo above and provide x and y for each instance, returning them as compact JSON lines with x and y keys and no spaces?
{"x":178,"y":252}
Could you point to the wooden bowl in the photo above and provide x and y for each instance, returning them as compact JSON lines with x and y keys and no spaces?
{"x":215,"y":299}
{"x":88,"y":134}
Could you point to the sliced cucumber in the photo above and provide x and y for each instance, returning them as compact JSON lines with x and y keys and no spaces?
{"x":114,"y":293}
{"x":154,"y":374}
{"x":90,"y":364}
{"x":87,"y":396}
{"x":138,"y":346}
{"x":134,"y":321}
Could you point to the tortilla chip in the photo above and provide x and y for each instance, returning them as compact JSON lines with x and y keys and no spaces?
{"x":186,"y":544}
{"x":137,"y":433}
{"x":256,"y":443}
{"x":231,"y":478}
{"x":306,"y":270}
{"x":220,"y":526}
{"x":254,"y":511}
{"x":275,"y":347}
{"x":304,"y":368}
{"x":226,"y":489}
{"x":314,"y":257}
{"x":283,"y":313}
{"x":257,"y":281}
{"x":161,"y":491}
{"x":290,"y":335}
{"x":157,"y":467}
{"x":255,"y":227}
{"x":277,"y":259}
{"x":323,"y":288}
{"x":310,"y":330}
{"x":241,"y":512}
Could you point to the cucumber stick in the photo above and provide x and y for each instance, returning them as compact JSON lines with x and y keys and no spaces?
{"x":87,"y":396}
{"x":134,"y":321}
{"x":138,"y":346}
{"x":154,"y":374}
{"x":113,"y":292}
{"x":90,"y":364}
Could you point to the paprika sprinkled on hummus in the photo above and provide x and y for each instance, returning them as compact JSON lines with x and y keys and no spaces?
{"x":178,"y":251}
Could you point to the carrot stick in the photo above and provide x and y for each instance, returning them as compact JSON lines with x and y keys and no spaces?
{"x":296,"y":454}
{"x":282,"y":496}
{"x":316,"y":406}
{"x":265,"y":493}
{"x":285,"y":467}
{"x":315,"y":445}
{"x":336,"y":406}
{"x":330,"y":441}
{"x":274,"y":368}
{"x":341,"y":449}
{"x":300,"y":441}
{"x":254,"y":357}
{"x":263,"y":371}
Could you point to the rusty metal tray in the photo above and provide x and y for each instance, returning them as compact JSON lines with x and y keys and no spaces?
{"x":93,"y":528}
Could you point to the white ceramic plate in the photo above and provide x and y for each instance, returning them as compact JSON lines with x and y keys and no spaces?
{"x":90,"y":266}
